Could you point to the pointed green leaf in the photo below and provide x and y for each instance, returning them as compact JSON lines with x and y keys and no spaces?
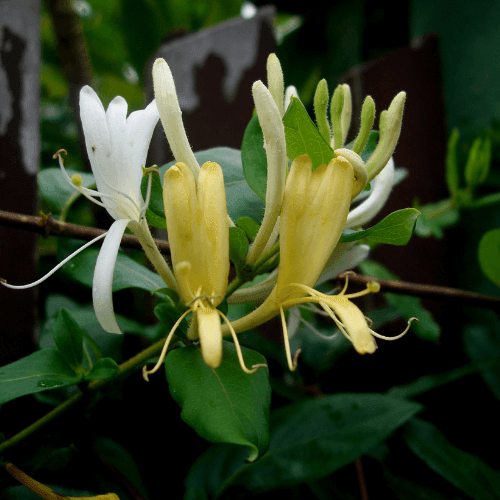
{"x":248,"y":225}
{"x":395,"y":229}
{"x":464,"y":470}
{"x":224,"y":405}
{"x":155,"y":220}
{"x":309,"y":440}
{"x":302,"y":136}
{"x":254,"y":159}
{"x":103,"y":369}
{"x":155,"y":206}
{"x":168,"y":314}
{"x":68,"y":338}
{"x":41,"y":371}
{"x":489,"y":255}
{"x":238,"y":247}
{"x":128,"y":273}
{"x":426,"y":328}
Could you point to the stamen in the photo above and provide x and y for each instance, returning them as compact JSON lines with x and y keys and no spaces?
{"x":145,"y":371}
{"x":375,"y":334}
{"x":292,"y":363}
{"x":371,"y":287}
{"x":238,"y":348}
{"x":50,"y":273}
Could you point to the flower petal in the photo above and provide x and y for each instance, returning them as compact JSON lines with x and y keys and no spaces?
{"x":95,"y":130}
{"x":103,"y":277}
{"x":381,"y":189}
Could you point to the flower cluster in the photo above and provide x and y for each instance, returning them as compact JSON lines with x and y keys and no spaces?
{"x":306,"y":208}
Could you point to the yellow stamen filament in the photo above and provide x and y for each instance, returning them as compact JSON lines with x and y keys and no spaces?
{"x":145,"y":371}
{"x":292,"y":362}
{"x":238,"y":348}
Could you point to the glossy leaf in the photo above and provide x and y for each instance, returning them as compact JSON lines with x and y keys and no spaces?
{"x":426,"y":328}
{"x":489,"y":255}
{"x":248,"y":225}
{"x":395,"y":229}
{"x":254,"y":159}
{"x":168,"y":314}
{"x":302,"y":136}
{"x":156,"y":211}
{"x":103,"y":369}
{"x":464,"y":470}
{"x":309,"y":440}
{"x":435,"y":217}
{"x":68,"y":338}
{"x":128,"y":273}
{"x":238,"y":247}
{"x":224,"y":405}
{"x":43,"y":370}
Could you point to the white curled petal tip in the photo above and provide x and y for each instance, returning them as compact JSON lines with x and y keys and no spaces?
{"x":369,"y":208}
{"x":360,"y":173}
{"x":103,"y":277}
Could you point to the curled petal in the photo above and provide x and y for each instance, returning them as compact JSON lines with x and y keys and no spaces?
{"x":381,"y":188}
{"x":103,"y":277}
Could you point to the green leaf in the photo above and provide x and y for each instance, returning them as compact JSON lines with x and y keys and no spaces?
{"x":395,"y":229}
{"x":241,"y":200}
{"x":489,"y":255}
{"x":426,"y":328}
{"x":238,"y":247}
{"x":224,"y":405}
{"x":254,"y":159}
{"x":248,"y":225}
{"x":309,"y":440}
{"x":168,"y":314}
{"x":41,"y":371}
{"x":452,"y":175}
{"x":168,"y":294}
{"x":155,"y":207}
{"x":462,"y":469}
{"x":155,"y":220}
{"x":22,"y":493}
{"x":128,"y":273}
{"x":478,"y":162}
{"x":103,"y":369}
{"x":56,"y":190}
{"x":302,"y":136}
{"x":68,"y":338}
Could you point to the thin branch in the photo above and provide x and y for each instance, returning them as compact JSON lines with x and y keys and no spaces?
{"x":46,"y":225}
{"x":429,"y":291}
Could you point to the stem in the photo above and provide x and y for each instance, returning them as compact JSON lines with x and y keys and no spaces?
{"x":125,"y":369}
{"x":141,"y":230}
{"x":46,"y":226}
{"x":233,"y":286}
{"x":265,"y":257}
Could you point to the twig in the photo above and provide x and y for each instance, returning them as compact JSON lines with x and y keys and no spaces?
{"x":430,"y":291}
{"x":361,"y":479}
{"x":46,"y":226}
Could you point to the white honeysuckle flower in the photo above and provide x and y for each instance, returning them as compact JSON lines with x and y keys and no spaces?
{"x":117,"y":147}
{"x":171,"y":116}
{"x":380,"y":190}
{"x":273,"y":131}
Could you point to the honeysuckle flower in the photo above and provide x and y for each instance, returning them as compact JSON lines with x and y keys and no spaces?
{"x":117,"y":147}
{"x":315,"y":208}
{"x":198,"y":232}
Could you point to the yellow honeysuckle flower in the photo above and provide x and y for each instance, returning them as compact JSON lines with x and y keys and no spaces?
{"x":198,"y":230}
{"x":315,"y":208}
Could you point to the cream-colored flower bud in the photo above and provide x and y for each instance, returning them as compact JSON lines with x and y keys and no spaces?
{"x":275,"y":81}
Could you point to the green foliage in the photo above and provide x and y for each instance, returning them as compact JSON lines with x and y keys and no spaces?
{"x":155,"y":213}
{"x":103,"y":369}
{"x":238,"y":248}
{"x":68,"y":338}
{"x":344,"y":427}
{"x":168,"y":314}
{"x":462,"y":469}
{"x":224,"y":405}
{"x":395,"y":229}
{"x":43,"y":370}
{"x":434,"y":218}
{"x":302,"y":136}
{"x":254,"y":159}
{"x":489,"y":255}
{"x":248,"y":225}
{"x":426,"y":328}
